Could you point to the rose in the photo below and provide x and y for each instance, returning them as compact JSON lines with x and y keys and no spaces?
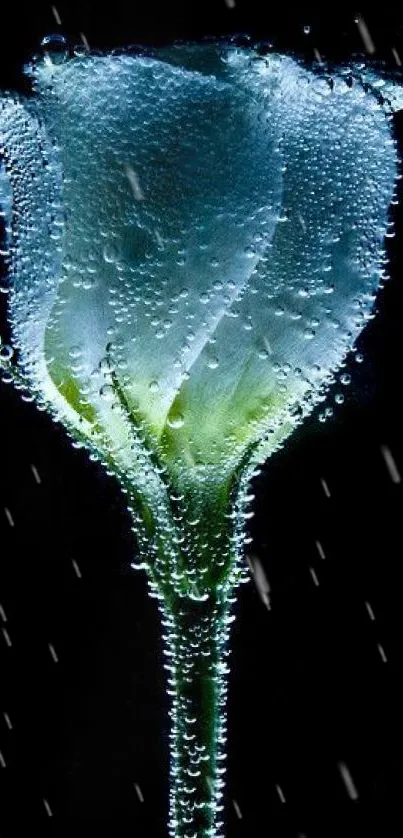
{"x":196,"y":242}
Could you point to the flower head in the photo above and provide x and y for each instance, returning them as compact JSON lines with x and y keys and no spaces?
{"x":197,"y":242}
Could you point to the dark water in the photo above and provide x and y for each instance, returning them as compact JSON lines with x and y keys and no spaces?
{"x":311,"y":690}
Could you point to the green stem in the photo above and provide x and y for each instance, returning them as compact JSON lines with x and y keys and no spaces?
{"x":196,"y":646}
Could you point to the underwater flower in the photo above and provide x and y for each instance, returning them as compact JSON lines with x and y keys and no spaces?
{"x":194,"y":240}
{"x":197,"y":238}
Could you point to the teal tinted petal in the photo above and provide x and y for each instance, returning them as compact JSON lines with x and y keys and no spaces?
{"x":310,"y":294}
{"x":163,"y":228}
{"x":30,"y":197}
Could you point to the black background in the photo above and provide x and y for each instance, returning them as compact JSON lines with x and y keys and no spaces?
{"x":309,"y":688}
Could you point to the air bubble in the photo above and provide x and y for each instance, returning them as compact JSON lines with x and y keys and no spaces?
{"x":75,"y":352}
{"x":175,"y":420}
{"x":6,"y":352}
{"x":6,"y":375}
{"x":110,"y":253}
{"x":55,"y":48}
{"x":26,"y":396}
{"x":106,"y":365}
{"x":89,"y":283}
{"x":309,"y":334}
{"x":107,"y":392}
